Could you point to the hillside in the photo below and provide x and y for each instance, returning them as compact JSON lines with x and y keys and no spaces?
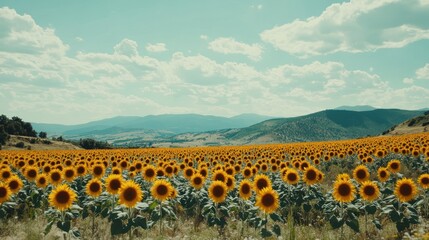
{"x":319,"y":126}
{"x":36,"y":144}
{"x":414,"y":125}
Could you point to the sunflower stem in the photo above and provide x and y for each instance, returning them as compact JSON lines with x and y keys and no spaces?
{"x":342,"y":217}
{"x":160,"y":221}
{"x":366,"y":221}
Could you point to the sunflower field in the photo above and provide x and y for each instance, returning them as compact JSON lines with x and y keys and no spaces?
{"x":361,"y":189}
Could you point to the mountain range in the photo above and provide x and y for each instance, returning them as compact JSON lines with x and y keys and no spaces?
{"x":196,"y":130}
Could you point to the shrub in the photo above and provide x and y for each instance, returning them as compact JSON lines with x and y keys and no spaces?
{"x":20,"y":145}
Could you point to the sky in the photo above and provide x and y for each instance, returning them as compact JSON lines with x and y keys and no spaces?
{"x":72,"y":62}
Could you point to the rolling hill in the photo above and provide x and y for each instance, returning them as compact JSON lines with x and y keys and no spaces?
{"x":414,"y":125}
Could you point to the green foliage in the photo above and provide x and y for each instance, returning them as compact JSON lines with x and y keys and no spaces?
{"x":89,"y":143}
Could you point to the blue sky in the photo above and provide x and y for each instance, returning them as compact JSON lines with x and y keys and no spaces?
{"x":77,"y":61}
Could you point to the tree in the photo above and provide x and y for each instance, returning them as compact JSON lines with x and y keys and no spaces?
{"x":43,"y":135}
{"x":3,"y":135}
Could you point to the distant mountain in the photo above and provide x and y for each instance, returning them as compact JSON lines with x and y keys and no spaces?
{"x":319,"y":126}
{"x":165,"y":124}
{"x":359,"y":108}
{"x":417,"y":124}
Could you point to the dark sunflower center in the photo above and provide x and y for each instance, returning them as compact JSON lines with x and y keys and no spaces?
{"x":115,"y":184}
{"x":197,"y":181}
{"x":247,"y":172}
{"x":394,"y":165}
{"x":311,"y":175}
{"x":229,"y":182}
{"x":13,"y":185}
{"x":42,"y":180}
{"x":94,"y":187}
{"x":55,"y":176}
{"x":361,"y":174}
{"x":32,"y":173}
{"x":69,"y":173}
{"x":162,"y":190}
{"x":292,"y":177}
{"x":220,"y":177}
{"x":383,"y":174}
{"x":189,"y":172}
{"x":369,"y":190}
{"x":169,"y":169}
{"x":268,"y":200}
{"x":405,"y":189}
{"x":262,"y":183}
{"x":124,"y":164}
{"x":425,"y":180}
{"x":344,"y":189}
{"x":98,"y":170}
{"x":81,"y":169}
{"x":130,"y":194}
{"x":203,"y":172}
{"x":6,"y":174}
{"x":218,"y":191}
{"x":245,"y":189}
{"x":62,"y":197}
{"x":3,"y":192}
{"x":150,"y":172}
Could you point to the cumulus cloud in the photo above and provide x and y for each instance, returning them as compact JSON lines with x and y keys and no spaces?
{"x":231,"y":46}
{"x":157,"y":47}
{"x":355,"y":26}
{"x":423,"y":72}
{"x":127,"y":47}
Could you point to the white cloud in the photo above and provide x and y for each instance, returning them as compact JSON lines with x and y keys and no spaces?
{"x":204,"y":37}
{"x":20,"y":33}
{"x":127,"y":47}
{"x":423,"y":73}
{"x":258,"y":7}
{"x":355,"y":26}
{"x":408,"y":80}
{"x":79,"y":39}
{"x":231,"y":46}
{"x":157,"y":47}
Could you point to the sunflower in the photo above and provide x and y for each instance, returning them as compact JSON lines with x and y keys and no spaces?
{"x":267,"y":200}
{"x":130,"y":194}
{"x":383,"y":174}
{"x":31,"y":173}
{"x":343,"y":176}
{"x":291,"y":176}
{"x":116,"y":170}
{"x":55,"y":177}
{"x":98,"y":170}
{"x":42,"y":180}
{"x":94,"y":187}
{"x":310,"y":176}
{"x":69,"y":174}
{"x":113,"y":183}
{"x":361,"y":173}
{"x":14,"y":183}
{"x":394,"y":166}
{"x":405,"y":189}
{"x":197,"y":181}
{"x":62,"y":197}
{"x":149,"y":173}
{"x":161,"y":189}
{"x":260,"y":182}
{"x":344,"y":191}
{"x":188,"y":172}
{"x":5,"y":192}
{"x":369,"y":191}
{"x":230,"y":182}
{"x":217,"y":191}
{"x":5,"y":173}
{"x":81,"y":170}
{"x":219,"y":175}
{"x":245,"y":189}
{"x":247,"y":172}
{"x":424,"y":180}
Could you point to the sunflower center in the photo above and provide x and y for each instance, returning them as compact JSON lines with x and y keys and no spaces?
{"x":292,"y":177}
{"x":245,"y":189}
{"x":344,"y":189}
{"x":162,"y":190}
{"x":130,"y":194}
{"x":32,"y":173}
{"x":98,"y":170}
{"x":311,"y":175}
{"x":81,"y":170}
{"x":268,"y":200}
{"x":383,"y":174}
{"x":42,"y":180}
{"x":150,"y":172}
{"x":6,"y":174}
{"x":62,"y":197}
{"x":361,"y":174}
{"x":261,"y":183}
{"x":197,"y":181}
{"x":247,"y":172}
{"x":189,"y":172}
{"x":69,"y":173}
{"x":13,"y":185}
{"x":115,"y":184}
{"x":425,"y":180}
{"x":405,"y":190}
{"x":369,"y":190}
{"x":394,"y":165}
{"x":218,"y":191}
{"x":169,"y":169}
{"x":55,"y":176}
{"x":220,"y":177}
{"x":94,"y":187}
{"x":3,"y":192}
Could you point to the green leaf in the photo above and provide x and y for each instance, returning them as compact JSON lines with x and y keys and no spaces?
{"x":307,"y":207}
{"x":117,"y":227}
{"x":266,"y":233}
{"x":140,"y":221}
{"x":377,"y":224}
{"x":353,"y":224}
{"x":277,"y":230}
{"x":76,"y":233}
{"x":370,"y":209}
{"x":48,"y":227}
{"x":394,"y":216}
{"x":64,"y":226}
{"x":336,"y":222}
{"x":276,"y":217}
